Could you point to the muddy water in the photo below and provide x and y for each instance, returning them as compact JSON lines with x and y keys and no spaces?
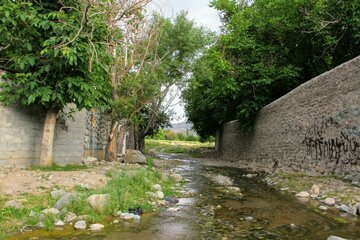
{"x":208,"y":211}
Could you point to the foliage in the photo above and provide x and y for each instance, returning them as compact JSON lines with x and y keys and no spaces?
{"x":169,"y":49}
{"x":60,"y":168}
{"x":53,"y":54}
{"x":163,"y":134}
{"x":193,"y":149}
{"x":261,"y":56}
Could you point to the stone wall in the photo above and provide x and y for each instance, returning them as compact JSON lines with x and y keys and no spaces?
{"x":314,"y":128}
{"x":98,"y":126}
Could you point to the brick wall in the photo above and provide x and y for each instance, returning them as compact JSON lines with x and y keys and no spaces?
{"x":314,"y":128}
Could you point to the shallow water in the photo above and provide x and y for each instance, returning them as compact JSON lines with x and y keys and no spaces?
{"x":272,"y":211}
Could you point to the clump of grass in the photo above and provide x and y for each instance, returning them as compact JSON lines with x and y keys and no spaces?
{"x":60,"y":168}
{"x":177,"y":147}
{"x":127,"y":189}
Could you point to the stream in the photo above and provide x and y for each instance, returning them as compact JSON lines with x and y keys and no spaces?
{"x":211,"y":210}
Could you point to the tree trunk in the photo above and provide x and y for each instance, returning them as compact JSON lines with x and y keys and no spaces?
{"x":139,"y":141}
{"x":46,"y":153}
{"x":111,"y":146}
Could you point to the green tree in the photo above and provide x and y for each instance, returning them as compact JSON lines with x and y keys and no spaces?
{"x":267,"y":48}
{"x":165,"y":59}
{"x":53,"y":54}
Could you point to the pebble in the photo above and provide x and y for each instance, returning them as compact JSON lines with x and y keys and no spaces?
{"x":157,"y":187}
{"x":159,"y":194}
{"x":116,"y":221}
{"x":302,"y":194}
{"x":329,"y":201}
{"x":249,"y":219}
{"x":173,"y":209}
{"x":127,"y":216}
{"x":315,"y":190}
{"x":52,"y":211}
{"x":70,"y":217}
{"x":324,"y":208}
{"x":284,"y":189}
{"x":177,"y":177}
{"x":80,"y":225}
{"x":96,"y":227}
{"x":59,"y":223}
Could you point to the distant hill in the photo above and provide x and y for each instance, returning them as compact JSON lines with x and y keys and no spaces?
{"x":183,"y":127}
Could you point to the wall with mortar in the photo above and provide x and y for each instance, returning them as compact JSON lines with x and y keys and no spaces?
{"x":314,"y":128}
{"x":21,"y":133}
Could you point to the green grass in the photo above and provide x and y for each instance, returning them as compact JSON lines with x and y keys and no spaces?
{"x":177,"y":147}
{"x":60,"y":168}
{"x":127,"y":188}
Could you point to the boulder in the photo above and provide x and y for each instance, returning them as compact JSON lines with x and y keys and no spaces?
{"x":134,"y":156}
{"x":65,"y":200}
{"x":98,"y":201}
{"x":303,"y":194}
{"x":96,"y":227}
{"x":13,"y":204}
{"x":80,"y":225}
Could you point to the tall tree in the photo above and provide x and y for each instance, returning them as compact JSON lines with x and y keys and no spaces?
{"x":53,"y":53}
{"x":165,"y":51}
{"x":267,"y":48}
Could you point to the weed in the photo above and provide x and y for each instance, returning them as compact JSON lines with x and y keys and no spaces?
{"x":60,"y":168}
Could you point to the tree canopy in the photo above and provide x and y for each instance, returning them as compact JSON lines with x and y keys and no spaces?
{"x":48,"y":53}
{"x":267,"y":48}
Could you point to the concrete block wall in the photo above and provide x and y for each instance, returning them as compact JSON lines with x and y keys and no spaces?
{"x":314,"y":128}
{"x":21,"y":133}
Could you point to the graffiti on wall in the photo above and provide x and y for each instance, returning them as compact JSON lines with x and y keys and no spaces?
{"x":329,"y":140}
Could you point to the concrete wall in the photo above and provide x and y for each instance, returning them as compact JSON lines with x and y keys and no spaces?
{"x":21,"y":133}
{"x":315,"y":127}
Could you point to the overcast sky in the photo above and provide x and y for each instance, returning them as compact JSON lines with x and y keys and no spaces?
{"x":198,"y":11}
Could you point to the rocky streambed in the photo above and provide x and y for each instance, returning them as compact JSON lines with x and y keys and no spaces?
{"x":218,"y":202}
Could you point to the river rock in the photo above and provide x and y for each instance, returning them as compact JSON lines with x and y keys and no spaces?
{"x":324,"y":208}
{"x":344,"y":208}
{"x":159,"y":194}
{"x":56,"y":194}
{"x":173,"y":209}
{"x":335,"y":238}
{"x":70,"y":217}
{"x":157,"y":187}
{"x":52,"y":211}
{"x":134,"y":156}
{"x":90,"y":161}
{"x":59,"y":223}
{"x":96,"y":227}
{"x":127,"y":216}
{"x":303,"y":194}
{"x":80,"y":225}
{"x":65,"y":200}
{"x":315,"y":190}
{"x":151,"y":195}
{"x":329,"y":201}
{"x":177,"y":177}
{"x":98,"y":201}
{"x":249,"y":219}
{"x":13,"y":204}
